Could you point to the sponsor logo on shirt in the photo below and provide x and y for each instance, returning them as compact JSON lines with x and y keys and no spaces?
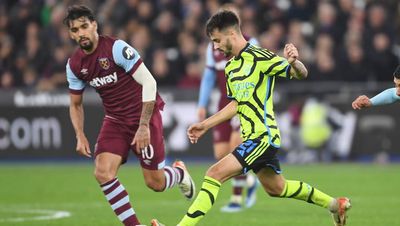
{"x":128,"y":53}
{"x":105,"y":80}
{"x":84,"y":71}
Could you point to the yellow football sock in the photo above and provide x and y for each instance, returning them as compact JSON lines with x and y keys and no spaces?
{"x":203,"y":202}
{"x":303,"y":191}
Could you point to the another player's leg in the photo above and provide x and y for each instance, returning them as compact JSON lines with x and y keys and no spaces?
{"x":236,"y":199}
{"x":226,"y":139}
{"x":106,"y":168}
{"x":277,"y":186}
{"x":221,"y":149}
{"x":157,"y":175}
{"x":186,"y":184}
{"x":252,"y":185}
{"x":216,"y":174}
{"x":167,"y":177}
{"x":240,"y":182}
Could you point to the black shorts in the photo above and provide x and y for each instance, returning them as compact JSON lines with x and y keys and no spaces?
{"x":256,"y":154}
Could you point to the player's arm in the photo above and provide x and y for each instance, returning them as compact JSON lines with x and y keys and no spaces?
{"x":149,"y":90}
{"x":128,"y":58}
{"x":387,"y":96}
{"x":297,"y":68}
{"x":76,"y":112}
{"x":207,"y":84}
{"x":196,"y":130}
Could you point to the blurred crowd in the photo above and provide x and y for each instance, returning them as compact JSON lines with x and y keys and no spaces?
{"x":338,"y":40}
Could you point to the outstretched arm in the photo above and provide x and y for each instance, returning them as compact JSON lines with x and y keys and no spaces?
{"x":387,"y":96}
{"x":361,"y":102}
{"x":297,"y":69}
{"x":196,"y":130}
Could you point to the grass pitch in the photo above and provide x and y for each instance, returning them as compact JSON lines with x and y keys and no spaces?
{"x":30,"y":193}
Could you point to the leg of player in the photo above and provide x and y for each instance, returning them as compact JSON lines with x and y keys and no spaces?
{"x":106,"y":168}
{"x":248,"y":181}
{"x":277,"y":186}
{"x":157,"y":176}
{"x":221,"y":149}
{"x":221,"y":171}
{"x":168,"y":177}
{"x":239,"y":182}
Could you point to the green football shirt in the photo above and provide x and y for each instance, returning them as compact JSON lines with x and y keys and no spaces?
{"x":250,"y":81}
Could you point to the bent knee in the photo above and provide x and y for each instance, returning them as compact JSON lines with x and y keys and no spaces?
{"x":155,"y":185}
{"x":214,"y":172}
{"x":103,"y":176}
{"x":274,"y":191}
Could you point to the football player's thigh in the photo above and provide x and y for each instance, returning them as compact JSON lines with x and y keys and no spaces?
{"x":225,"y":168}
{"x":152,"y":158}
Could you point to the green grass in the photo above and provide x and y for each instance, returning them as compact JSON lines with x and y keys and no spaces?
{"x":374,"y":190}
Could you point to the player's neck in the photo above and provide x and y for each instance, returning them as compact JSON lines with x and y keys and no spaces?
{"x":240,"y":45}
{"x":95,"y":44}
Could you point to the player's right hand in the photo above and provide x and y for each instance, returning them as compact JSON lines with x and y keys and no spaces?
{"x":361,"y":102}
{"x":195,"y":131}
{"x":82,"y":146}
{"x":201,"y":113}
{"x":291,"y":53}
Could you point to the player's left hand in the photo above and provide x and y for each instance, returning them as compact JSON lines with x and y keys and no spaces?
{"x":142,"y":138}
{"x":195,"y":131}
{"x":291,"y":53}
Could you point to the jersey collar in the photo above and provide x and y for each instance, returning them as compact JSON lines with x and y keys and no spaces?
{"x":241,"y":51}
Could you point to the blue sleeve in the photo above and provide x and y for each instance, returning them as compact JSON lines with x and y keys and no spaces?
{"x":254,"y":41}
{"x":125,"y":55}
{"x":210,"y":61}
{"x":387,"y":96}
{"x":207,"y":84}
{"x":74,"y":82}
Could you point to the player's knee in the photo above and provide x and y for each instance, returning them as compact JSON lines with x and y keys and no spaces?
{"x":155,"y":185}
{"x":274,"y":191}
{"x":214,"y":172}
{"x":103,"y":176}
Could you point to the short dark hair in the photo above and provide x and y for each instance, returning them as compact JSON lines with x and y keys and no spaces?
{"x":221,"y":20}
{"x":396,"y":72}
{"x":77,"y":11}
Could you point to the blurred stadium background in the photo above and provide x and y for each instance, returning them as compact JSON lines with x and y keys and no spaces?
{"x":350,"y":47}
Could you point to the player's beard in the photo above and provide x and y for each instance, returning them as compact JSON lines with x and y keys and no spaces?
{"x":88,"y":46}
{"x":229,"y":47}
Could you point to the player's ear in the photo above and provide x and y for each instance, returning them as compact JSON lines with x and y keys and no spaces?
{"x":95,"y":25}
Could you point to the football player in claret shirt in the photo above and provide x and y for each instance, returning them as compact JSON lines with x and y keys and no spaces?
{"x":250,"y":78}
{"x":132,"y":113}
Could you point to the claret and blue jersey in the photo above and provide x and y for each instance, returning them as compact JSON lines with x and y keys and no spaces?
{"x":109,"y":70}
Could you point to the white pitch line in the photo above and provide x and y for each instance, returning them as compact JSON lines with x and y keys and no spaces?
{"x":44,"y":215}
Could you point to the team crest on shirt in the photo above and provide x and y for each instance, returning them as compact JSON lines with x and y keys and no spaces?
{"x":104,"y":63}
